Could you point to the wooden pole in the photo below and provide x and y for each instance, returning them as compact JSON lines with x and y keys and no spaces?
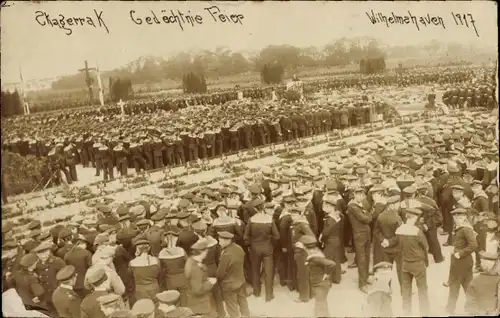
{"x":88,"y":79}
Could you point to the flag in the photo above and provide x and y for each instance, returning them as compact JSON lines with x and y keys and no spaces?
{"x":24,"y":100}
{"x":101,"y":91}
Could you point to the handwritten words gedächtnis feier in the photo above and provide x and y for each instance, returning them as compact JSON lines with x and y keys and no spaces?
{"x":213,"y":14}
{"x":461,"y":20}
{"x":183,"y":19}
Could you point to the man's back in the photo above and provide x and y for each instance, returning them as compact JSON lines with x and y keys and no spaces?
{"x":67,"y":302}
{"x":360,"y":219}
{"x":186,"y":239}
{"x":90,"y":307}
{"x":389,"y":221}
{"x":413,"y":243}
{"x":386,"y":226}
{"x":230,"y":272}
{"x":300,"y":229}
{"x":81,"y":259}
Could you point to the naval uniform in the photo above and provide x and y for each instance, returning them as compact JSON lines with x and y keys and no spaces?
{"x":432,"y":219}
{"x":186,"y":239}
{"x":47,"y":272}
{"x":211,"y":262}
{"x":67,"y":302}
{"x":414,"y":262}
{"x":90,"y":307}
{"x":199,"y":289}
{"x":299,"y":229}
{"x":320,"y":270}
{"x":260,"y":232}
{"x":28,"y":286}
{"x":231,"y":278}
{"x":286,"y":267}
{"x":464,"y":243}
{"x":331,"y":238}
{"x":360,"y":221}
{"x":172,"y":261}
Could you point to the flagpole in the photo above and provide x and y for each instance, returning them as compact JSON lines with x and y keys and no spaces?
{"x":99,"y":82}
{"x":24,"y":102}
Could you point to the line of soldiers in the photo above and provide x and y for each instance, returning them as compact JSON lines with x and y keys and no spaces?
{"x":476,"y":94}
{"x":383,"y":200}
{"x":415,"y":77}
{"x":443,"y":77}
{"x":157,"y":147}
{"x":146,"y":103}
{"x":471,"y":95}
{"x":411,"y":78}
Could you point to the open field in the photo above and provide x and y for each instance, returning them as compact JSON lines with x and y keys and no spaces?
{"x":252,"y":78}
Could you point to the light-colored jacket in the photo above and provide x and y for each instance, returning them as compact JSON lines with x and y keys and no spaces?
{"x":115,"y":282}
{"x":101,"y":251}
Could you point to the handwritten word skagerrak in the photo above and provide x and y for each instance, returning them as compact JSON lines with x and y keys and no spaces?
{"x":67,"y":23}
{"x":426,"y":20}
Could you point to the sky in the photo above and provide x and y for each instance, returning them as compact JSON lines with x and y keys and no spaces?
{"x":45,"y":51}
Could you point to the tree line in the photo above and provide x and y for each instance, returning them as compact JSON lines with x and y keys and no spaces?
{"x":224,"y":62}
{"x":11,"y":103}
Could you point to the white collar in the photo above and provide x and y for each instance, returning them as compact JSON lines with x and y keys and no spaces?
{"x":166,"y":308}
{"x":316,"y":253}
{"x":100,"y":289}
{"x":334,"y":215}
{"x":66,"y":286}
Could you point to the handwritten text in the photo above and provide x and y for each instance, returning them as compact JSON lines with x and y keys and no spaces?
{"x":428,"y":20}
{"x":186,"y":18}
{"x":465,"y":20}
{"x":68,"y":23}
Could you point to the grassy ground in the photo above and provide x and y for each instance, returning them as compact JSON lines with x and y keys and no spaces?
{"x":249,"y":79}
{"x":253,"y":78}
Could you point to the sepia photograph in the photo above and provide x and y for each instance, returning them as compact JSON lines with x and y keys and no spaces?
{"x":171,"y":159}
